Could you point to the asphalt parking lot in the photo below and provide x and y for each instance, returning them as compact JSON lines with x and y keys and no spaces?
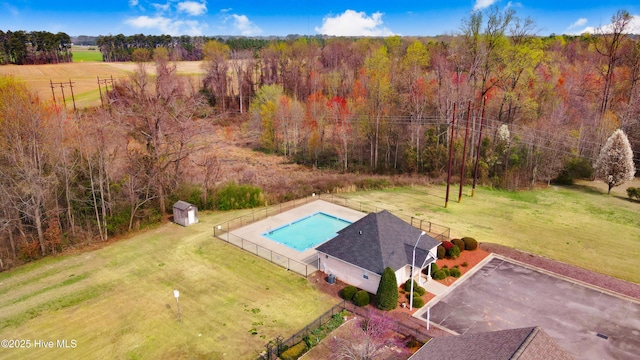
{"x":585,"y":321}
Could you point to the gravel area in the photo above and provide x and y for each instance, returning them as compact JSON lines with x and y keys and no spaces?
{"x":626,"y":288}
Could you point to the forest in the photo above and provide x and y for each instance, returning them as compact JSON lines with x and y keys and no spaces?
{"x":35,"y":47}
{"x":514,"y":109}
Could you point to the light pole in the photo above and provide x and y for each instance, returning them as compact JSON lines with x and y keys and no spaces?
{"x":413,"y":266}
{"x":176,"y":294}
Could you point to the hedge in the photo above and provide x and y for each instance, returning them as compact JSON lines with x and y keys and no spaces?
{"x":348,"y":292}
{"x":470,"y":243}
{"x":294,"y":352}
{"x":459,"y":243}
{"x":361,"y":298}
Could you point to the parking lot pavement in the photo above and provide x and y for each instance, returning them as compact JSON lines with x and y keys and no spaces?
{"x":588,"y":322}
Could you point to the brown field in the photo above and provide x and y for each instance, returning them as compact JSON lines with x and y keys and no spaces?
{"x":84,"y":77}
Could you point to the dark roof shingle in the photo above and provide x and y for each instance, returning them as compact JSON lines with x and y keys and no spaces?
{"x":529,"y":343}
{"x":377,"y":241}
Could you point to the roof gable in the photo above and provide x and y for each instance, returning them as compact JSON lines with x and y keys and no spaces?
{"x":182,"y":205}
{"x":377,"y":241}
{"x":522,"y":343}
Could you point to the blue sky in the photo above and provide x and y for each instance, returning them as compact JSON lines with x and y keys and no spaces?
{"x":304,"y":17}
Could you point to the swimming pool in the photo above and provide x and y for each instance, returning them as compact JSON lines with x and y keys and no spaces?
{"x":308,"y":232}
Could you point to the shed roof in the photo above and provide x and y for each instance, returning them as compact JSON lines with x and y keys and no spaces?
{"x":529,"y":343}
{"x":182,"y":205}
{"x":377,"y":241}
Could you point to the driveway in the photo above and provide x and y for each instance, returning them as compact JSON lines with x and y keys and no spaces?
{"x":585,"y":321}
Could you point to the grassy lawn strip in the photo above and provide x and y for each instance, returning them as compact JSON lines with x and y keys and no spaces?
{"x":120,"y":304}
{"x":53,"y":305}
{"x":580,"y":225}
{"x":72,"y":280}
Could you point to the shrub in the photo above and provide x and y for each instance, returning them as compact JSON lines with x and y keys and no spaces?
{"x":233,"y":196}
{"x":633,"y":193}
{"x":294,"y":352}
{"x":464,"y":264}
{"x":447,"y":245}
{"x":470,"y":243}
{"x":455,"y":272}
{"x":348,"y":292}
{"x":434,"y":267}
{"x":446,"y":271}
{"x":418,"y":302}
{"x":574,"y":168}
{"x":441,"y":252}
{"x":454,"y":252}
{"x":361,"y":298}
{"x":459,"y":243}
{"x":439,"y":275}
{"x":387,"y":294}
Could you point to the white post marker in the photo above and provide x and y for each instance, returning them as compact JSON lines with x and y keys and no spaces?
{"x":176,"y":294}
{"x":413,"y":265}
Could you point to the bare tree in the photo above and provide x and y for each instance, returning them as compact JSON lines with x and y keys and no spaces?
{"x":371,"y":338}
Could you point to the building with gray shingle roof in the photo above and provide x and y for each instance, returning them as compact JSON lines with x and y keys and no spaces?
{"x":361,"y":251}
{"x":530,"y":343}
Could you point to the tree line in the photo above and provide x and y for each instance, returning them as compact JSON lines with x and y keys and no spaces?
{"x":395,"y":105}
{"x":35,"y":47}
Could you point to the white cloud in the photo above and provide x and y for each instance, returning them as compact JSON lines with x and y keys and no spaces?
{"x":192,"y":8}
{"x":245,"y":26}
{"x":11,"y":9}
{"x":161,"y":7}
{"x":632,"y":28}
{"x":133,"y":3}
{"x":167,"y":26}
{"x":483,"y":4}
{"x":353,"y":23}
{"x":578,"y":23}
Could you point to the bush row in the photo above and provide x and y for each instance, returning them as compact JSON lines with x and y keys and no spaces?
{"x":452,"y":249}
{"x":359,"y":297}
{"x":441,"y":274}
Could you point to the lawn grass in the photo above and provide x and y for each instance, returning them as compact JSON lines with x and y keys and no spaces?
{"x":580,"y":225}
{"x":117,"y":301}
{"x":86,"y":54}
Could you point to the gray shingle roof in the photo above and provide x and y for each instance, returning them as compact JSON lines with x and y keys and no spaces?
{"x":530,"y":343}
{"x":379,"y":240}
{"x":182,"y":205}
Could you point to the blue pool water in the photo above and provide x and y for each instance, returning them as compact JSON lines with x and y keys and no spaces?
{"x":308,"y":232}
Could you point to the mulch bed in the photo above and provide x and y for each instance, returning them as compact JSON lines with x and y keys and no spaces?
{"x":319,"y":280}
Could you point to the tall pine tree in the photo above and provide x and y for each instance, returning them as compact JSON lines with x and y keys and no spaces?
{"x":387,"y":293}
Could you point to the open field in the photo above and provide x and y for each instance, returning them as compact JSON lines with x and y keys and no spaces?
{"x":84,"y":76}
{"x":117,"y":301}
{"x":86,"y":53}
{"x":579,"y":225}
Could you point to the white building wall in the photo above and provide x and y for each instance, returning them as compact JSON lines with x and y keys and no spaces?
{"x":350,"y":274}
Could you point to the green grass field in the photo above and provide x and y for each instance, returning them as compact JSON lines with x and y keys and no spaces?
{"x":580,"y":225}
{"x":117,"y":302}
{"x":86,"y":54}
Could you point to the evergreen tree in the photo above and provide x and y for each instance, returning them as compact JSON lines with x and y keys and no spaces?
{"x":387,"y":293}
{"x":615,"y":162}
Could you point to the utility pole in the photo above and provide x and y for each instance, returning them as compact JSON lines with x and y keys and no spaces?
{"x":453,"y":129}
{"x":464,"y":152}
{"x":475,"y":171}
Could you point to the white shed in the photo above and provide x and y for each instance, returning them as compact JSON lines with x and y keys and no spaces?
{"x":184,"y":213}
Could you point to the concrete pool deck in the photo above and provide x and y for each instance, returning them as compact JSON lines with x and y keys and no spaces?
{"x":253,"y":231}
{"x":588,"y":322}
